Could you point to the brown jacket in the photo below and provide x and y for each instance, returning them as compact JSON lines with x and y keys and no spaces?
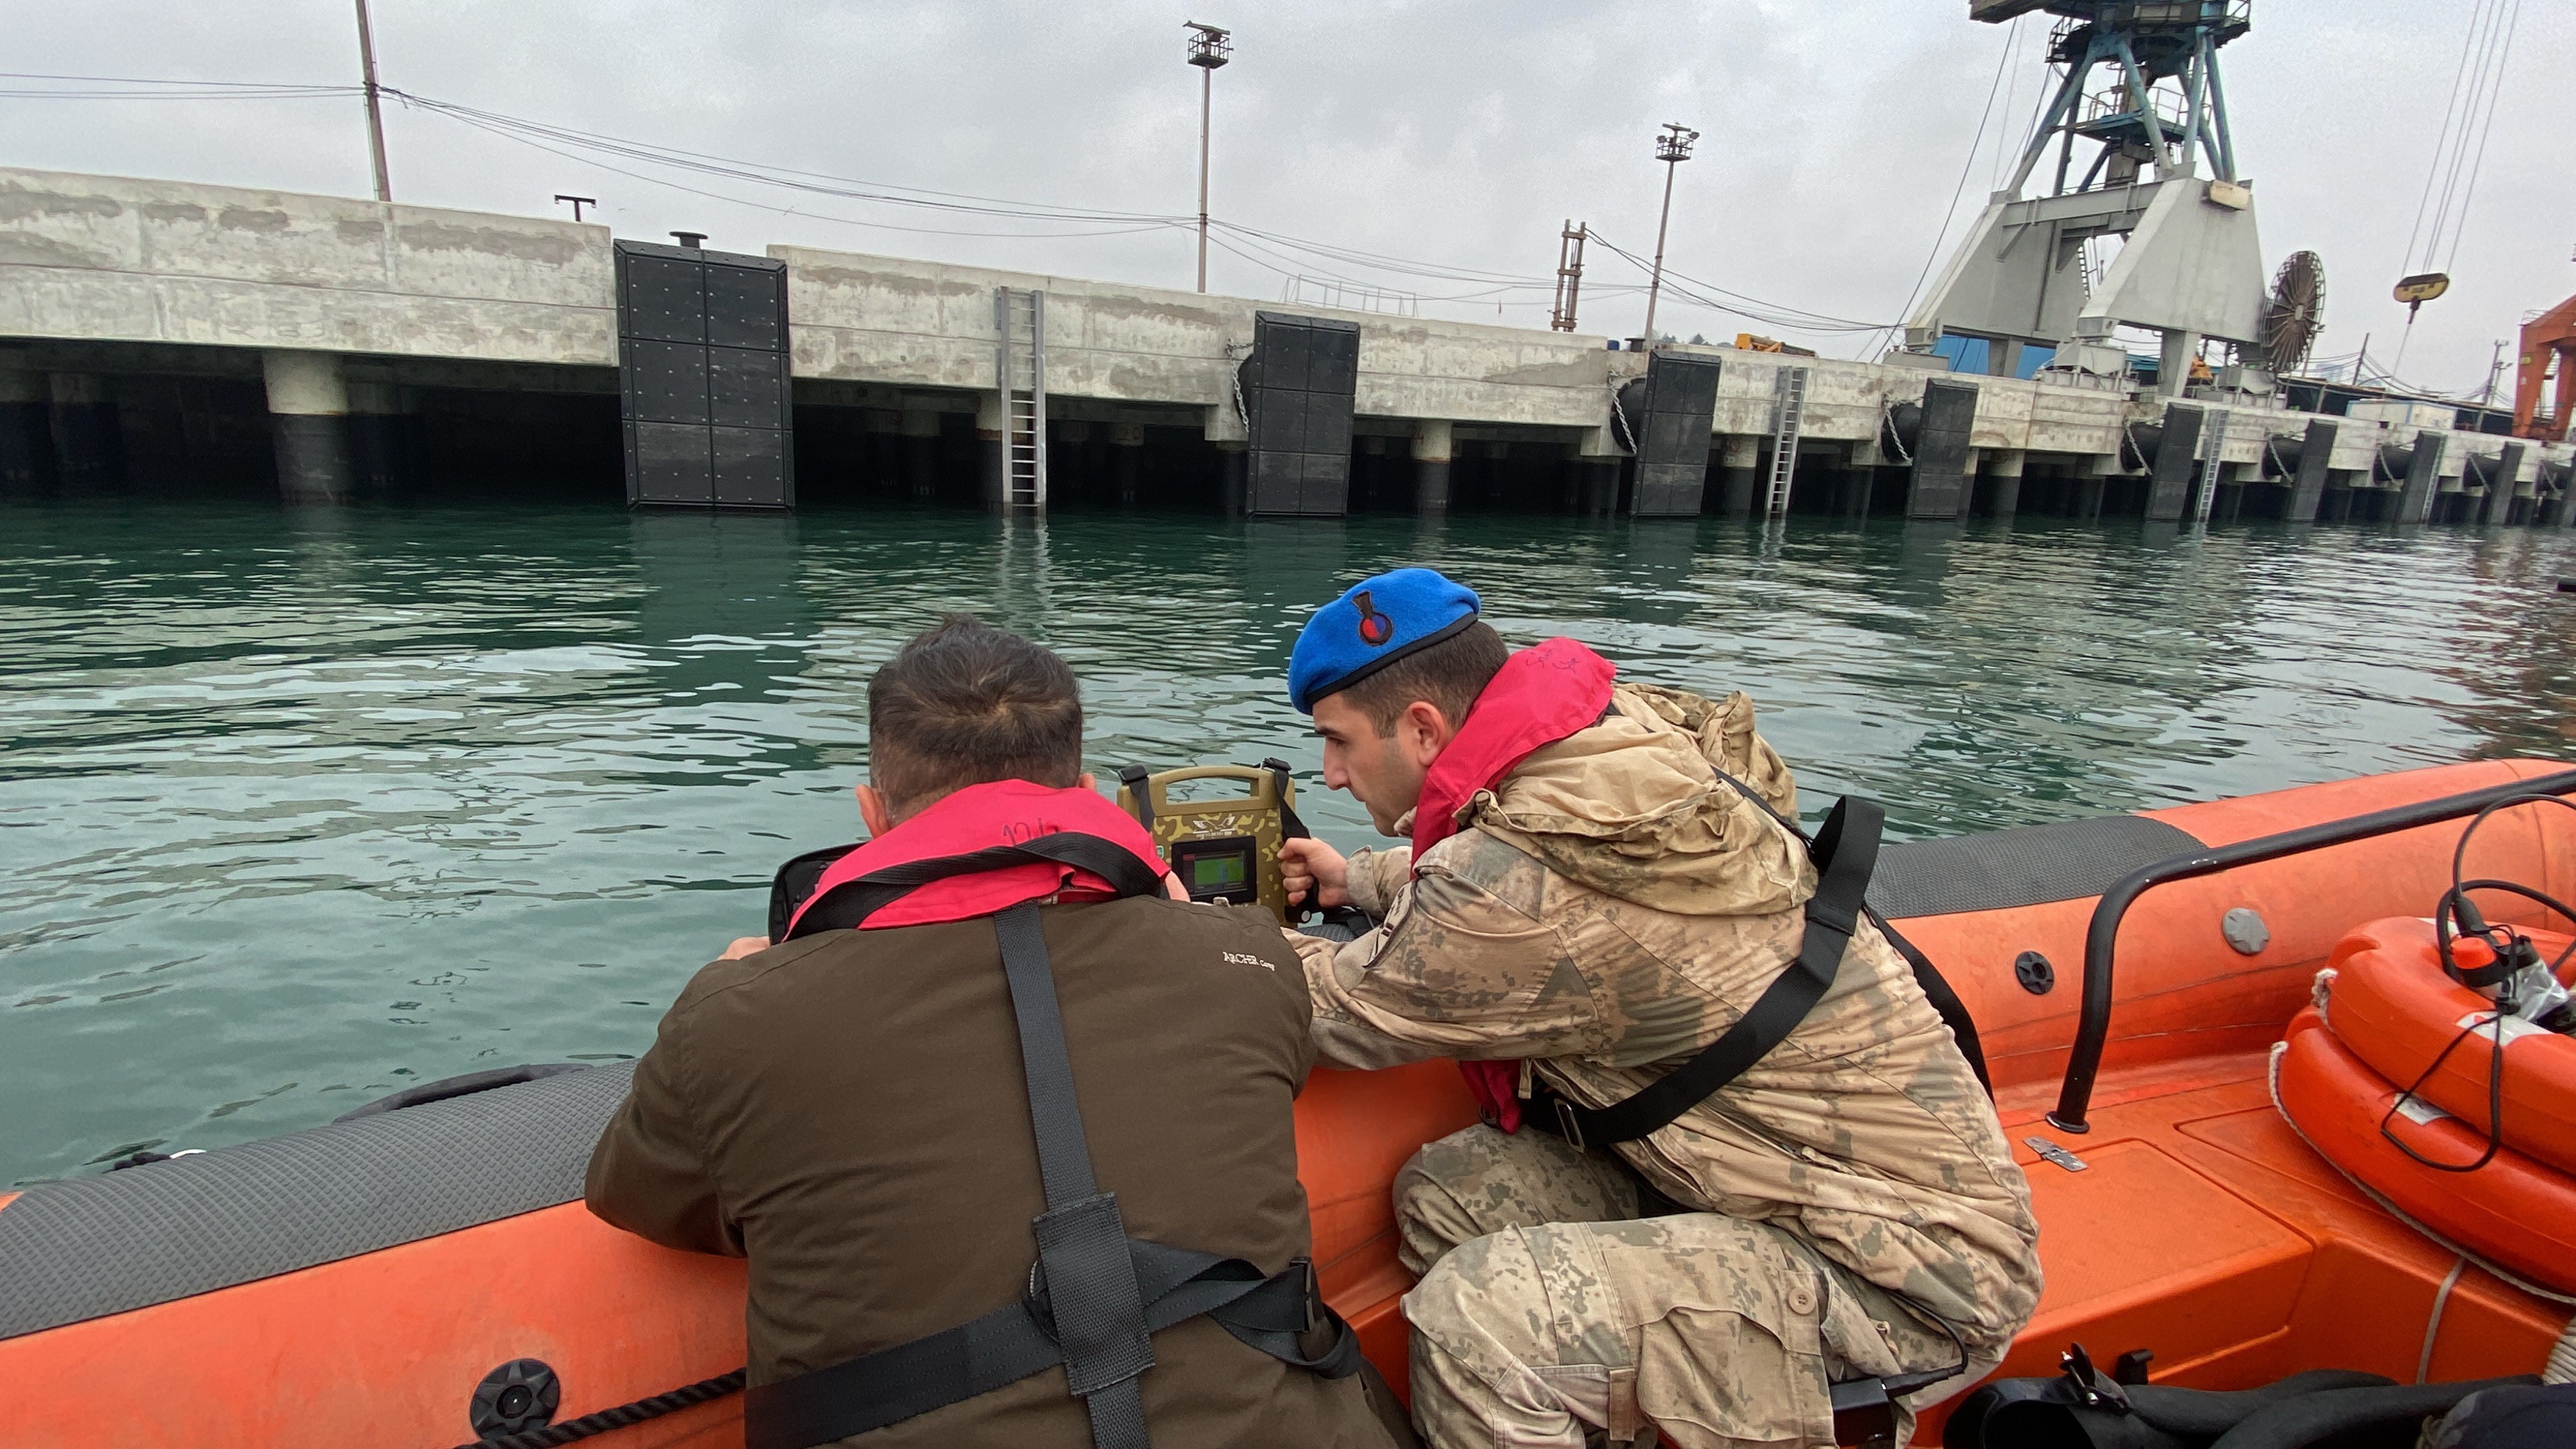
{"x":848,"y":1111}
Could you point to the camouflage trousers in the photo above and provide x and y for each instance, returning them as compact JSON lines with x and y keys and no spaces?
{"x":1549,"y":1314}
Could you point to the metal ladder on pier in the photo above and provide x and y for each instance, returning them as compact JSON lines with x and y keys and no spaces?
{"x":1788,"y":417}
{"x":2213,"y":449}
{"x":1020,"y":369}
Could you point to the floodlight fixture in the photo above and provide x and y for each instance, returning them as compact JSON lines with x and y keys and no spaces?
{"x":1210,"y":46}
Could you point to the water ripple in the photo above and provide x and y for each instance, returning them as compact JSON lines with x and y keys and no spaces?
{"x":297,"y":811}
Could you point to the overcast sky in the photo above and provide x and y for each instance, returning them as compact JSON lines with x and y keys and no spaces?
{"x":1459,"y":134}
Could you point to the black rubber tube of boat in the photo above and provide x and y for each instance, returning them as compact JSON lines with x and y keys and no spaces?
{"x":572,"y":1430}
{"x":2317,"y":1419}
{"x":2093,"y":1027}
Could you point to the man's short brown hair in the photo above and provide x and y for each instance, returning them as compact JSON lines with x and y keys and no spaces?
{"x":1448,"y":675}
{"x":966,"y":703}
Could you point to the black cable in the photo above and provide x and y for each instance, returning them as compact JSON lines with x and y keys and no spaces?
{"x":2459,"y":852}
{"x":620,"y":1417}
{"x":1950,"y":213}
{"x":2495,"y":1102}
{"x":2456,"y":909}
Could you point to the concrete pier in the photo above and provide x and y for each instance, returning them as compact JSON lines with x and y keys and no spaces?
{"x":1433,"y":444}
{"x":1739,"y":475}
{"x":921,"y":452}
{"x":1126,"y":461}
{"x":89,"y":448}
{"x":308,"y":408}
{"x":1234,"y":476}
{"x":992,"y":454}
{"x":2004,"y":466}
{"x":1600,"y":485}
{"x":141,"y":317}
{"x":25,"y":441}
{"x":380,"y":438}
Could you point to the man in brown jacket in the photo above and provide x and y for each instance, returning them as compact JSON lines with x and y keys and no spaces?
{"x":991,"y":1041}
{"x":1595,"y":893}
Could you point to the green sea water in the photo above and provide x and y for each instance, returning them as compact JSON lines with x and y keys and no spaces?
{"x":298,"y":809}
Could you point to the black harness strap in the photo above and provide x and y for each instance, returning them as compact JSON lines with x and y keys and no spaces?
{"x":1084,"y":1270}
{"x":1140,"y":784}
{"x":1844,"y":850}
{"x":1928,"y":977}
{"x":845,"y":905}
{"x":1096,"y":1296}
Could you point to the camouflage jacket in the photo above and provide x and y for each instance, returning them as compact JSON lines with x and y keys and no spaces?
{"x":1612,"y":906}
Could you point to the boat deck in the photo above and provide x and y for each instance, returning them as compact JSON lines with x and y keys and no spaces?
{"x":2202,"y":1228}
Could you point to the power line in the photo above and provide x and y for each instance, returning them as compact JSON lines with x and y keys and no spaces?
{"x":2513,"y":19}
{"x":125,"y":89}
{"x":2476,"y":82}
{"x":1965,"y":167}
{"x":1770,"y":314}
{"x":1272,"y":251}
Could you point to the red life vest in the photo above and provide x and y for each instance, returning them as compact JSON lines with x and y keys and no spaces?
{"x":1000,"y":812}
{"x":1543,"y":694}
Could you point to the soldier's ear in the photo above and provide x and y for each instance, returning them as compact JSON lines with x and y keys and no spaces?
{"x":873,"y":810}
{"x":1422,"y":732}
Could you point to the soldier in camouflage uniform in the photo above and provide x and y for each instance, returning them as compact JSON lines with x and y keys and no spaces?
{"x":1605,"y":908}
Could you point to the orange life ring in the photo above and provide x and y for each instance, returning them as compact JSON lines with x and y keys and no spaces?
{"x":2516,"y":1212}
{"x":2391,"y":1005}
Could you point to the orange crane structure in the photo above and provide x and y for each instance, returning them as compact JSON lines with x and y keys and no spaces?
{"x":2549,"y":337}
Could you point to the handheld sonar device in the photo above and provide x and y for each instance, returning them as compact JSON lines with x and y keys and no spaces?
{"x":1224,"y":850}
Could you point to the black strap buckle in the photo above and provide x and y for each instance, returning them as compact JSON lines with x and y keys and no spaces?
{"x":2093,"y":1389}
{"x":1568,"y":1125}
{"x":1311,"y":1289}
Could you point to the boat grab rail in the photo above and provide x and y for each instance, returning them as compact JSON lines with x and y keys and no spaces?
{"x":2093,"y":1025}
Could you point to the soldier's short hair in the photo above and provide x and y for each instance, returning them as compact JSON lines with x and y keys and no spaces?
{"x":965,"y":703}
{"x":1448,"y":675}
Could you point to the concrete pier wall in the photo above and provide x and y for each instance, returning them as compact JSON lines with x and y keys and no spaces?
{"x":108,"y":278}
{"x":99,"y":258}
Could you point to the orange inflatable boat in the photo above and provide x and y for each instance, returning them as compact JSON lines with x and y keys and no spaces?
{"x":368,"y":1282}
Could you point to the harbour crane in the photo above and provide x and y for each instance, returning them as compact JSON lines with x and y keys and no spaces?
{"x":2139,"y":105}
{"x":2546,"y":339}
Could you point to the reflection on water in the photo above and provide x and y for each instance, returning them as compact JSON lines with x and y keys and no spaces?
{"x":299,"y":808}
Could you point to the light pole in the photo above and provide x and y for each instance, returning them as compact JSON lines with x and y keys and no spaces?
{"x":375,"y":108}
{"x":1210,"y":47}
{"x":1672,"y":148}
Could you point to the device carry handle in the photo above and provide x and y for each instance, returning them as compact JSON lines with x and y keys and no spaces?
{"x":1156,"y":796}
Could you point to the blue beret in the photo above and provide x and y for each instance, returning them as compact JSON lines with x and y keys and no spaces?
{"x":1378,"y":622}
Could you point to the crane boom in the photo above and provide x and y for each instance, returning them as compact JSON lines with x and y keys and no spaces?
{"x":2551,"y":336}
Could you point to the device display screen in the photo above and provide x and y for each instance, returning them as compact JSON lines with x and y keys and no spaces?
{"x":1216,"y":870}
